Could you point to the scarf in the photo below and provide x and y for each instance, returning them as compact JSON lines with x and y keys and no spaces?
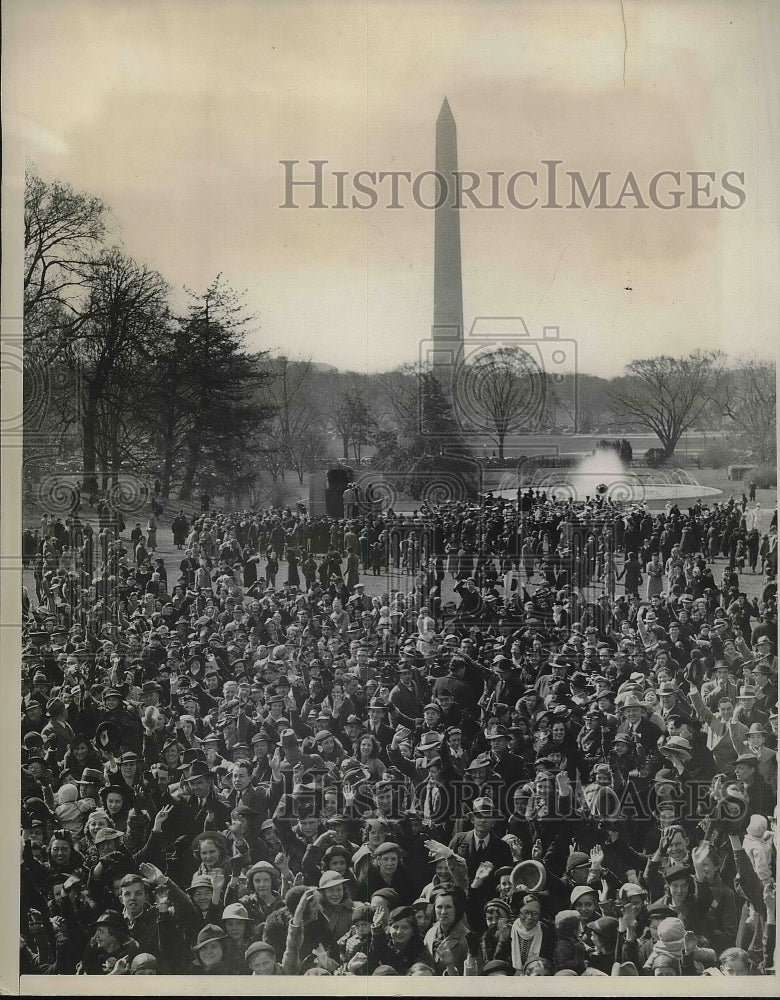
{"x":525,"y":945}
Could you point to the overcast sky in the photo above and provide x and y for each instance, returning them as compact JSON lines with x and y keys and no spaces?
{"x":178,"y":113}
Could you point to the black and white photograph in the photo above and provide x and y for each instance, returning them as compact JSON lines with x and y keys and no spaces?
{"x":388,"y":525}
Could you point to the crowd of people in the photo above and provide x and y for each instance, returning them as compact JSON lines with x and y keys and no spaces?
{"x":544,"y":745}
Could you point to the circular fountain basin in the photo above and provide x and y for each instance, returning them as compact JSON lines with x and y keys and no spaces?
{"x":618,"y":486}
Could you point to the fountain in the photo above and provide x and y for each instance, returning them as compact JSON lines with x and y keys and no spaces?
{"x":604,"y":474}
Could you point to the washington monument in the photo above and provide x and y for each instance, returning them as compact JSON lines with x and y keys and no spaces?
{"x":447,"y":279}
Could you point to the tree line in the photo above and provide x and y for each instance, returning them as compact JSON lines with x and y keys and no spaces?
{"x":114,"y":377}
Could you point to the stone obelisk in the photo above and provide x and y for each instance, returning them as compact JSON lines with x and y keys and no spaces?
{"x":447,"y":279}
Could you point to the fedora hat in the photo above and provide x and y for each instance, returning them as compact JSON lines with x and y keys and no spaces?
{"x":484,"y":807}
{"x":288,"y":739}
{"x":90,"y":776}
{"x":197,"y":769}
{"x":676,"y":746}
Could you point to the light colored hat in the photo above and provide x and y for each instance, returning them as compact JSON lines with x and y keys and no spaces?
{"x":671,"y":933}
{"x":581,"y":890}
{"x":330,"y":879}
{"x":484,"y":807}
{"x":236,"y":911}
{"x":530,"y":875}
{"x":676,"y":746}
{"x":757,"y":826}
{"x":106,"y":833}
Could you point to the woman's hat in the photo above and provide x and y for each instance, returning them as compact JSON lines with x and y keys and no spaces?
{"x":123,"y":790}
{"x":107,"y":833}
{"x":387,"y":847}
{"x":256,"y":947}
{"x":581,"y":890}
{"x":500,"y":905}
{"x":262,"y":866}
{"x":112,"y":919}
{"x":331,"y":879}
{"x":211,"y":932}
{"x":605,"y":927}
{"x":236,"y":911}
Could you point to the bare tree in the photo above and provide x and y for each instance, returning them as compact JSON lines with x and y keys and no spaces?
{"x":668,"y":395}
{"x":749,"y":398}
{"x":501,"y":391}
{"x":296,"y":415}
{"x":397,"y":399}
{"x":63,"y":230}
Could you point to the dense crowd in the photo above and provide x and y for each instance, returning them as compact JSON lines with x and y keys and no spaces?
{"x":546,"y":745}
